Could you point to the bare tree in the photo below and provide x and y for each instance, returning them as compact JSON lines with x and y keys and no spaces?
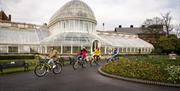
{"x":154,"y":25}
{"x":157,"y":21}
{"x":153,"y":21}
{"x":178,"y":31}
{"x":167,"y":22}
{"x":148,"y":22}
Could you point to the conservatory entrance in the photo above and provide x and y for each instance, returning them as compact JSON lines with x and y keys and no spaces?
{"x":95,"y":45}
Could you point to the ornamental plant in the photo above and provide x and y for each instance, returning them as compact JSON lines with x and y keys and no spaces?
{"x":137,"y":69}
{"x":174,"y":72}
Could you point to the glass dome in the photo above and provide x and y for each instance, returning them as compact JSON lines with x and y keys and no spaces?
{"x":74,"y":9}
{"x":74,"y":16}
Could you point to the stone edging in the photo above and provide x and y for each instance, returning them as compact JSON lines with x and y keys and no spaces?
{"x":137,"y":80}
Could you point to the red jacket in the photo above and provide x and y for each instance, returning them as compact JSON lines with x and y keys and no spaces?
{"x":84,"y":53}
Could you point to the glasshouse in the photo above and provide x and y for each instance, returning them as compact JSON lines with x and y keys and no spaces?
{"x":72,"y":27}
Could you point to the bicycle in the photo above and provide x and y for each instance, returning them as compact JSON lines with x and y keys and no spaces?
{"x":43,"y":68}
{"x":95,"y":61}
{"x":79,"y":63}
{"x":112,"y":59}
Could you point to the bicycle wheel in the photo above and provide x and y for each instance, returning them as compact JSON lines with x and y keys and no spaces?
{"x":76,"y":65}
{"x":40,"y":70}
{"x":84,"y":64}
{"x":109,"y":60}
{"x":57,"y":69}
{"x":96,"y":62}
{"x":90,"y":63}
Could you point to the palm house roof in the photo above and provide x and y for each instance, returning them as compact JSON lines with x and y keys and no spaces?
{"x":128,"y":41}
{"x":74,"y":9}
{"x":73,"y":38}
{"x":21,"y":36}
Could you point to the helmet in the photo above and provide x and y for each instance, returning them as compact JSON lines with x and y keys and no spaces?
{"x":51,"y":47}
{"x":83,"y":47}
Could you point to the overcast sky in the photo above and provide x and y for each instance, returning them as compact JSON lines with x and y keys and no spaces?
{"x":111,"y":12}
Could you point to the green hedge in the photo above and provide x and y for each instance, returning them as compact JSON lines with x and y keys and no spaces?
{"x":139,"y":69}
{"x":162,"y":60}
{"x":16,"y":56}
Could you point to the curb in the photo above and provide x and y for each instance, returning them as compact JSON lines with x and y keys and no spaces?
{"x":137,"y":80}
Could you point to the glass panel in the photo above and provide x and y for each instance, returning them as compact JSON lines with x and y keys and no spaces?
{"x":66,"y":49}
{"x":124,"y":50}
{"x":120,"y":50}
{"x":146,"y":50}
{"x":142,"y":49}
{"x":81,"y":25}
{"x":13,"y":49}
{"x":102,"y":50}
{"x":109,"y":50}
{"x":24,"y":49}
{"x":132,"y":50}
{"x":34,"y":49}
{"x":64,"y":25}
{"x":43,"y":49}
{"x":136,"y":50}
{"x":86,"y":27}
{"x":149,"y":49}
{"x":58,"y":48}
{"x":139,"y":50}
{"x":48,"y":49}
{"x":76,"y":49}
{"x":67,"y":25}
{"x":88,"y":49}
{"x":3,"y":49}
{"x":128,"y":50}
{"x":71,"y":25}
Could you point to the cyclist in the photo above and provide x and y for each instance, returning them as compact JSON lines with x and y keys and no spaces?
{"x":97,"y":54}
{"x":115,"y":54}
{"x":82,"y":55}
{"x":53,"y":55}
{"x":79,"y":56}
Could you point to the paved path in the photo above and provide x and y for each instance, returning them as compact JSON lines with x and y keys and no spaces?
{"x":69,"y":80}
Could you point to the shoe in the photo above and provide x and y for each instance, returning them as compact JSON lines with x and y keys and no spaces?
{"x":54,"y":66}
{"x":47,"y":70}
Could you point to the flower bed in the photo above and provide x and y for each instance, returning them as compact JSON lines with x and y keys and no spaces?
{"x":141,"y":70}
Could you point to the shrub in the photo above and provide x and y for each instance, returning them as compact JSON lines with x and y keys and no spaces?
{"x":16,"y":56}
{"x":162,"y":60}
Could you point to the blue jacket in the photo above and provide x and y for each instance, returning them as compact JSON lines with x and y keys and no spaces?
{"x":115,"y":52}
